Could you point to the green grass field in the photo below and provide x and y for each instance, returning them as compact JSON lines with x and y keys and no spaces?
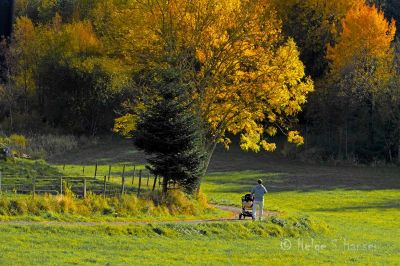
{"x":353,"y":213}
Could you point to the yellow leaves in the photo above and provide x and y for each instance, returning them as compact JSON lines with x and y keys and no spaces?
{"x":201,"y":56}
{"x":125,"y":125}
{"x":250,"y":141}
{"x":25,"y":50}
{"x":253,"y":84}
{"x":271,"y":117}
{"x":250,"y":52}
{"x":24,"y":30}
{"x":271,"y":131}
{"x":248,"y":80}
{"x":366,"y":33}
{"x":225,"y":141}
{"x":268,"y":146}
{"x":294,"y":137}
{"x":220,"y":40}
{"x":253,"y":142}
{"x":82,"y":37}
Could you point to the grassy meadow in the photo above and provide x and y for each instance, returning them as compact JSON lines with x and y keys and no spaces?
{"x":328,"y":215}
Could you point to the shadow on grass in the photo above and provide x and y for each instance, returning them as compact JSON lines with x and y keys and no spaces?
{"x":390,"y":204}
{"x":280,"y":181}
{"x":28,"y":168}
{"x":239,"y":170}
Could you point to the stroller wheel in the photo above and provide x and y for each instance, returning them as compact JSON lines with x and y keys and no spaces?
{"x":240,"y":216}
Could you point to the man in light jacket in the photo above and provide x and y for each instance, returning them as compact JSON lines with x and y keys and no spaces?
{"x":258,"y":194}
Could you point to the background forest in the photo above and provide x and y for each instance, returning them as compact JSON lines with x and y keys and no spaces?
{"x":88,"y":67}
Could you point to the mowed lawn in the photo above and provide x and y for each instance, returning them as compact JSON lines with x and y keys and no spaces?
{"x":359,"y":205}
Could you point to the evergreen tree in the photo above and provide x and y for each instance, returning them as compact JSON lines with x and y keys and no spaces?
{"x":169,"y":133}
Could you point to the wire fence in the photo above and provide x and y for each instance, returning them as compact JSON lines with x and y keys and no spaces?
{"x":80,"y":185}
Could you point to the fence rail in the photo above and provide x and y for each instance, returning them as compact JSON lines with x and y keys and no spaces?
{"x":81,"y":185}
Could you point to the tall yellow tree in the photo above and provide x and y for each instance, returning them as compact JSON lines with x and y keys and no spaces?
{"x":313,"y":24}
{"x":246,"y":77}
{"x":361,"y":66}
{"x":368,"y":35}
{"x":24,"y":52}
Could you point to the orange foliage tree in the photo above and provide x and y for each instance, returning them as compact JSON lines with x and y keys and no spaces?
{"x":361,"y":68}
{"x":366,"y":34}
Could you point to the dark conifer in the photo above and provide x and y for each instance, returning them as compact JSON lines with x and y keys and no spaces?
{"x":170,"y":134}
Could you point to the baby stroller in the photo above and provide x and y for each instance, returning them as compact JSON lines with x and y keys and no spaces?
{"x":247,"y":205}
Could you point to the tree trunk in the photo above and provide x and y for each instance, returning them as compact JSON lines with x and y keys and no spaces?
{"x":347,"y":141}
{"x":398,"y":154}
{"x":164,"y":187}
{"x":371,"y":121}
{"x":207,"y":161}
{"x":340,"y":153}
{"x":11,"y":119}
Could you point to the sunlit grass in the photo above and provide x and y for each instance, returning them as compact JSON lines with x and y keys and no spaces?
{"x":353,"y":217}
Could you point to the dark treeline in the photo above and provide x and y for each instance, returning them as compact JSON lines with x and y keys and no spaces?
{"x":73,"y":66}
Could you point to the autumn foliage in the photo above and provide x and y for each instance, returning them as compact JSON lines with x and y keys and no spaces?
{"x":366,"y":33}
{"x":261,"y":70}
{"x":249,"y":79}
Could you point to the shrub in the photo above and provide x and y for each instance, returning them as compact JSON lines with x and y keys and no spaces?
{"x":19,"y":141}
{"x":95,"y":204}
{"x":202,"y":200}
{"x":179,"y":203}
{"x":4,"y":141}
{"x":4,"y":203}
{"x":18,"y":207}
{"x":66,"y":204}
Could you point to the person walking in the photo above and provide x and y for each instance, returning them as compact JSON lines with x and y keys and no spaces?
{"x":258,"y":194}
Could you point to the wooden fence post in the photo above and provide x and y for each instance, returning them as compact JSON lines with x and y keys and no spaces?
{"x":123,"y":185}
{"x":104,"y":187}
{"x":84,"y":188}
{"x":155,"y":182}
{"x":63,"y":167}
{"x":109,"y":172}
{"x":83,"y":170}
{"x":95,"y":171}
{"x":61,"y":185}
{"x":148,"y":178}
{"x":123,"y":170}
{"x":133,"y":176}
{"x":123,"y":180}
{"x":140,"y":182}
